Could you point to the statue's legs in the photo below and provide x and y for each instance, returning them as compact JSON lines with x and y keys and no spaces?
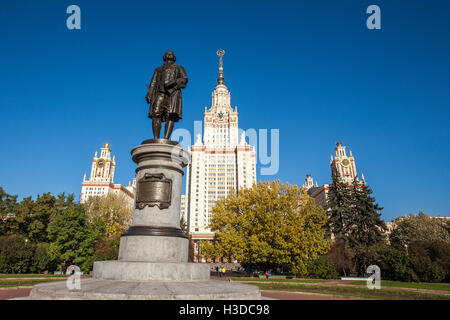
{"x":160,"y":113}
{"x":157,"y":115}
{"x":168,"y":128}
{"x":156,"y":127}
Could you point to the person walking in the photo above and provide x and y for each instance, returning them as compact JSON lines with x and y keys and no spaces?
{"x":220,"y":272}
{"x":223,"y":271}
{"x":267,"y":274}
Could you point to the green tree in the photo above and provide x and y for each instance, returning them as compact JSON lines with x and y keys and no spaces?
{"x":365,"y":256}
{"x":42,"y":260}
{"x":439,"y":251}
{"x":339,"y":207}
{"x":72,"y":238}
{"x":354,"y":216}
{"x":63,"y":201}
{"x":270,"y":226}
{"x":16,"y":254}
{"x":428,"y":260}
{"x":413,"y":228}
{"x":447,"y":226}
{"x":365,"y":226}
{"x":323,"y":268}
{"x":44,"y":208}
{"x":105,"y":249}
{"x":396,"y":265}
{"x":7,"y":211}
{"x":342,"y":257}
{"x":31,"y":218}
{"x":22,"y":218}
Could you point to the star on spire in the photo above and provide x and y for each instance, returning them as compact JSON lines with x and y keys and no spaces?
{"x":220,"y":53}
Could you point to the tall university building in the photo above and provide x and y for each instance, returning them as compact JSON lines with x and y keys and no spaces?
{"x":221,"y":162}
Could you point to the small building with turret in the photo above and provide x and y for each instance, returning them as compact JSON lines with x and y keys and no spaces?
{"x":340,"y":164}
{"x":101,"y":179}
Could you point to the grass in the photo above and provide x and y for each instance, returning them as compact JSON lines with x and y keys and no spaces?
{"x":23,"y":283}
{"x":279,"y":280}
{"x":30,"y":275}
{"x":34,"y":275}
{"x":356,"y":292}
{"x":389,"y":284}
{"x":414,"y":285}
{"x":330,"y":292}
{"x":28,"y":280}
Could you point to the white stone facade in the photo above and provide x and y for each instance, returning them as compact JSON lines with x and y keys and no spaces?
{"x":219,"y":164}
{"x":101,"y":179}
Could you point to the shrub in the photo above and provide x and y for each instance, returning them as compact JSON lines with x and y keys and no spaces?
{"x":427,"y":261}
{"x":323,"y":268}
{"x":16,"y":254}
{"x":105,"y":249}
{"x":41,"y":260}
{"x":366,"y":256}
{"x":342,"y":257}
{"x":396,"y":265}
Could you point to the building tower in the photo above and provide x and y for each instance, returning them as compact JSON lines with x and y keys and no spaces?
{"x":343,"y":165}
{"x":101,"y":179}
{"x":309,"y":183}
{"x":220,"y":162}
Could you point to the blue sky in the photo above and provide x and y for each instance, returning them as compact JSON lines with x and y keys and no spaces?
{"x":308,"y":68}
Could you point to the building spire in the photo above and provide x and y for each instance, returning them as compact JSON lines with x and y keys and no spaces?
{"x":220,"y":53}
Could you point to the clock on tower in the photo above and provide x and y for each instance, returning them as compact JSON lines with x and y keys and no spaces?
{"x":345,"y":162}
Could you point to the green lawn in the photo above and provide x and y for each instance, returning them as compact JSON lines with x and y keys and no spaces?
{"x":414,"y":285}
{"x":279,"y":280}
{"x":23,"y":283}
{"x":27,"y":280}
{"x":34,"y":275}
{"x":384,"y":294}
{"x":29,"y":275}
{"x":389,"y":284}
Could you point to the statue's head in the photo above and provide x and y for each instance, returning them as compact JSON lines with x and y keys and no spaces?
{"x":169,"y":56}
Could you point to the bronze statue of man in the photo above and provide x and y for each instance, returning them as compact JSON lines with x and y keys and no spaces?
{"x":164,"y":95}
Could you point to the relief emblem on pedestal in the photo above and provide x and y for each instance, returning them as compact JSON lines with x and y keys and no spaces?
{"x":154,"y":189}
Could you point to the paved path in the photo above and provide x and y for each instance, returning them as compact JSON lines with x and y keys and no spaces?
{"x":14,"y":292}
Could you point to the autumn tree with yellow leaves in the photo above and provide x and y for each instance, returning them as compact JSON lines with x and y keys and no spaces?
{"x":113,"y":211}
{"x":270,"y":226}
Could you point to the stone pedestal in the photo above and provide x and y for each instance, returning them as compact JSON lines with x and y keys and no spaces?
{"x":155,"y":234}
{"x":153,"y":252}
